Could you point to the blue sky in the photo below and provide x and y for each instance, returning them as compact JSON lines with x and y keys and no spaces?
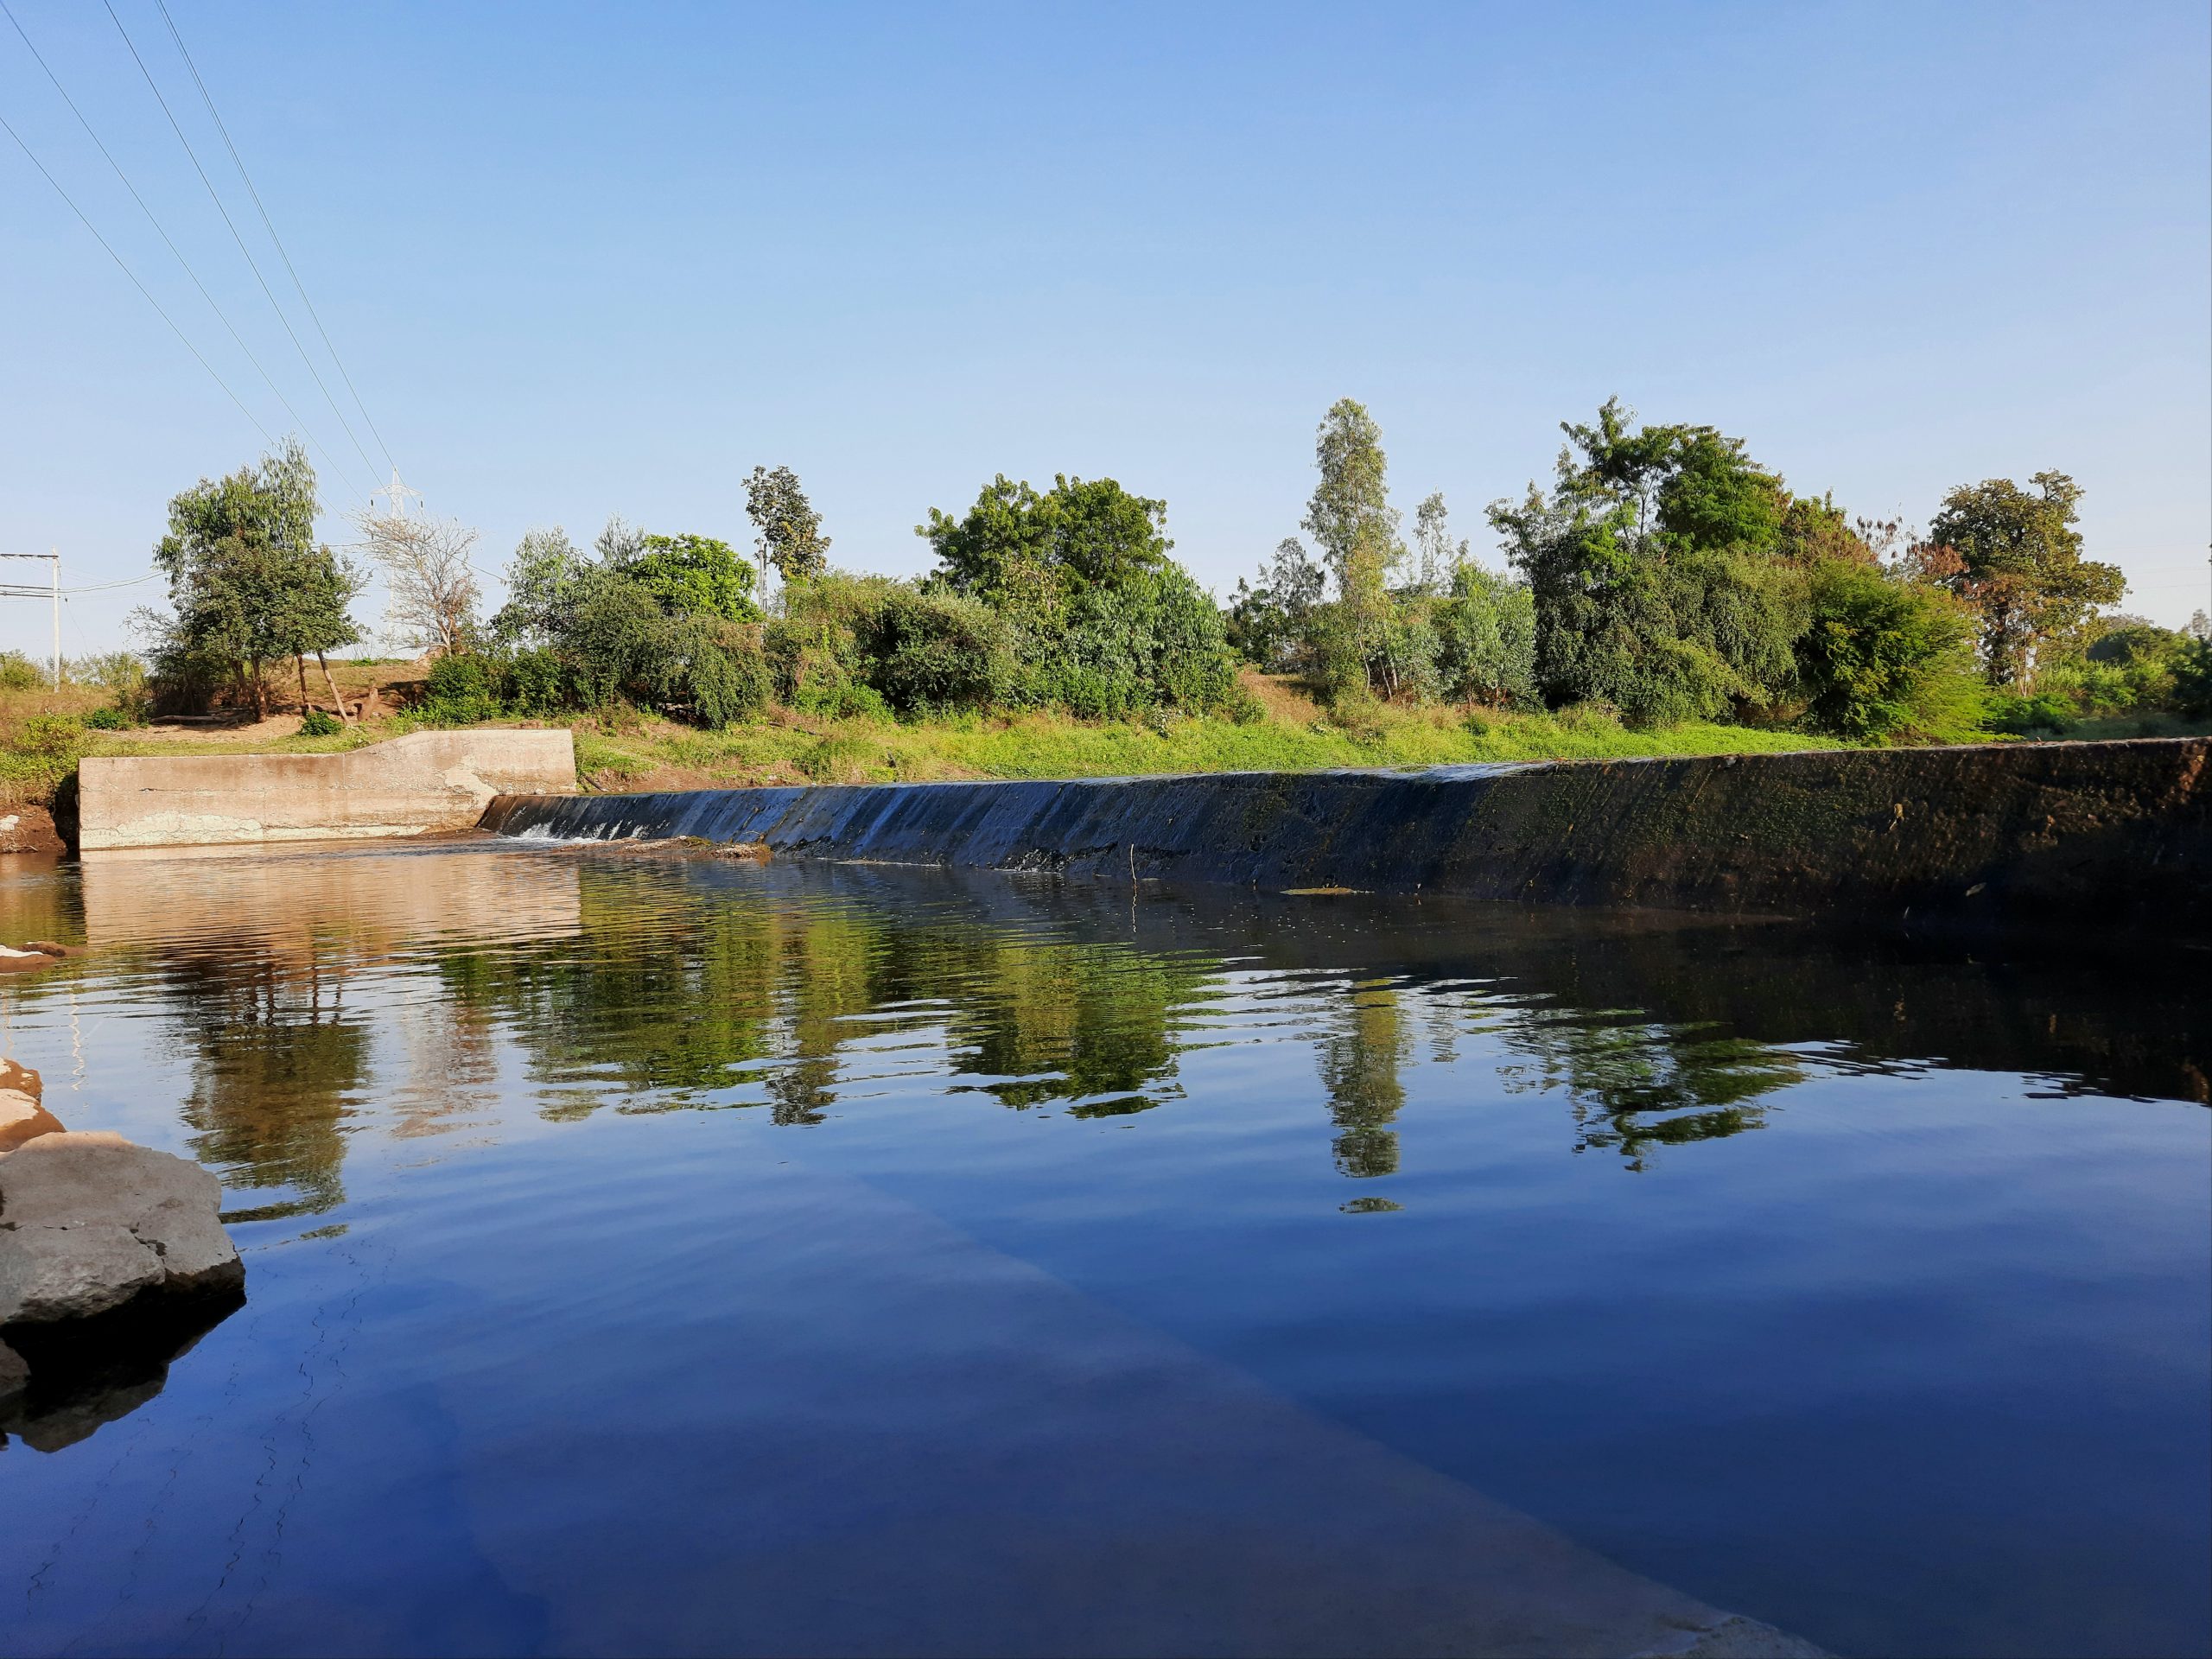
{"x":587,"y":260}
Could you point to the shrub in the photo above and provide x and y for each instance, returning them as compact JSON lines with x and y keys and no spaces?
{"x":110,"y":719}
{"x":2192,"y":679}
{"x":2049,"y":712}
{"x":1243,"y":708}
{"x":935,"y":651}
{"x":535,"y":683}
{"x":1486,"y":639}
{"x":1886,"y":660}
{"x":714,"y":668}
{"x":840,"y":700}
{"x":463,"y":688}
{"x":318,"y":722}
{"x":50,"y":736}
{"x":19,"y":673}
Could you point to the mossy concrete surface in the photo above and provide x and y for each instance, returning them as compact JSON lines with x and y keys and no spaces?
{"x":2116,"y":834}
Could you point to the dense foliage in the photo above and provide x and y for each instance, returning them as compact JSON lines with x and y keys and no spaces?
{"x":1668,"y":576}
{"x":249,"y":586}
{"x":1663,"y":577}
{"x":1101,"y":620}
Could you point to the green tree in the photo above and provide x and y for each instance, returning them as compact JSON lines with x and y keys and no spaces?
{"x":1030,"y":552}
{"x":1436,"y":553}
{"x":1350,"y":516}
{"x":1657,"y":565}
{"x":789,"y":529}
{"x":248,"y":584}
{"x":694,"y":575}
{"x":545,"y":581}
{"x":1268,"y":623}
{"x":2015,"y":556}
{"x":1106,"y":621}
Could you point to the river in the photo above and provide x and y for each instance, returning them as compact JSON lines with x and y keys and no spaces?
{"x":671,"y":1254}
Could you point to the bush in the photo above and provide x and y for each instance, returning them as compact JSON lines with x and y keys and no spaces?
{"x":839,"y":760}
{"x":19,"y":673}
{"x":2191,"y":667}
{"x":1886,"y":660}
{"x":317,"y":722}
{"x":49,"y":736}
{"x":1243,"y":706}
{"x":2048,"y":712}
{"x":714,"y":668}
{"x":840,"y":700}
{"x":110,"y":719}
{"x":535,"y":683}
{"x":1486,"y":639}
{"x":463,"y":688}
{"x":931,"y":651}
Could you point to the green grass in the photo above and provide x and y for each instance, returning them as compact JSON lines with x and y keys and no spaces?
{"x":626,"y":749}
{"x":648,"y":754}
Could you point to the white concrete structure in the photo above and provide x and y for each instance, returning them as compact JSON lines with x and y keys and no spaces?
{"x":425,"y":781}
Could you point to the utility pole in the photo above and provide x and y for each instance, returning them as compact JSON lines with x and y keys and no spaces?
{"x":13,"y":591}
{"x":397,"y":495}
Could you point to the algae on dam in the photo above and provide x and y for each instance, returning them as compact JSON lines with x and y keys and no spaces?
{"x":2120,"y":833}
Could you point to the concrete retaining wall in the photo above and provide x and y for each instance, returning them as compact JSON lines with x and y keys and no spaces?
{"x":425,"y":781}
{"x":2107,"y":833}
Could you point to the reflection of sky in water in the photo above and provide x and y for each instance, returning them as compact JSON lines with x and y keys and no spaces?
{"x":1863,"y":1290}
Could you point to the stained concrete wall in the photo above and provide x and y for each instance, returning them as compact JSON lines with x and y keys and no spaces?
{"x":2103,"y":834}
{"x":425,"y":781}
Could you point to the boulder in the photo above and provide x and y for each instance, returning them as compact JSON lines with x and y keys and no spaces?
{"x":89,"y":1221}
{"x":21,"y":1118}
{"x":16,"y":1075}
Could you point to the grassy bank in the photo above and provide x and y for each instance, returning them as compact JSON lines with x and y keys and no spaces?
{"x":651,"y":754}
{"x":42,"y":737}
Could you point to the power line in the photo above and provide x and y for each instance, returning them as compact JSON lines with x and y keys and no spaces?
{"x":135,"y":283}
{"x":367,"y":419}
{"x":216,"y":199}
{"x":164,"y":234}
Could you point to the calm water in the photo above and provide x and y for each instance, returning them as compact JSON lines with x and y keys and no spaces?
{"x":670,"y":1255}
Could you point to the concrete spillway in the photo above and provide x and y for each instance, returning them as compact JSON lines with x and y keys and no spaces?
{"x":2113,"y":834}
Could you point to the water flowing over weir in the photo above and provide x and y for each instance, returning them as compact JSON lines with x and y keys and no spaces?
{"x":2117,"y":833}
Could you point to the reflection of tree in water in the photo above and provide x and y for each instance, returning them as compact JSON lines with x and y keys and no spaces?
{"x":687,"y":989}
{"x":1061,"y":1021}
{"x":1359,"y":1065}
{"x":274,"y":1060}
{"x":721,"y":992}
{"x":1634,"y":1088}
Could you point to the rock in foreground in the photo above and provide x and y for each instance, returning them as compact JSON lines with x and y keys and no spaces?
{"x":89,"y":1221}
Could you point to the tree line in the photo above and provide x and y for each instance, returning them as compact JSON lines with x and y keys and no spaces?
{"x":1665,"y":575}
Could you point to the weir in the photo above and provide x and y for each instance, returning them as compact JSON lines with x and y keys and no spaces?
{"x":2114,"y":834}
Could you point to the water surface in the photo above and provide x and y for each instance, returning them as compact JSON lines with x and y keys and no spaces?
{"x":675,"y":1255}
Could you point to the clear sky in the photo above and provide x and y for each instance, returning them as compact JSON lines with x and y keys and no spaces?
{"x":588,"y":260}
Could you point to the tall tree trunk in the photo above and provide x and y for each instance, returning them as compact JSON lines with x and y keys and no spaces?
{"x":260,"y":689}
{"x":301,"y":663}
{"x":328,"y":680}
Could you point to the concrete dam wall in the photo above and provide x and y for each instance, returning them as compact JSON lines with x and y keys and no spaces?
{"x":422,"y":782}
{"x":2115,"y":834}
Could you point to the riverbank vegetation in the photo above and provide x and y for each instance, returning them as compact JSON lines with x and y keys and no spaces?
{"x":1665,"y":594}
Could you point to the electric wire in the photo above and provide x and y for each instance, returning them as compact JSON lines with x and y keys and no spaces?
{"x":239,"y":161}
{"x":151,"y":219}
{"x":250,"y":264}
{"x":135,"y":283}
